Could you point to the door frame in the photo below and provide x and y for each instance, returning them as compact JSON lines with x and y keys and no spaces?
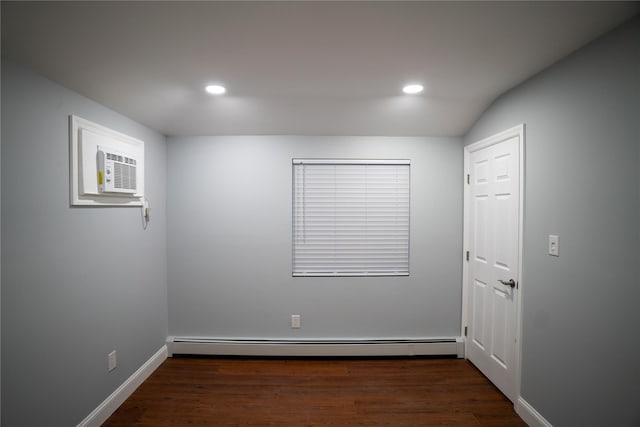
{"x":516,"y":131}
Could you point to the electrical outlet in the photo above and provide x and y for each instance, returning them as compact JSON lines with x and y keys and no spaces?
{"x":147,"y":210}
{"x":554,"y":245}
{"x":295,"y":321}
{"x":113,"y":361}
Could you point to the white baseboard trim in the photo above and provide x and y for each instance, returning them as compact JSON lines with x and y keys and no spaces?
{"x":117,"y":398}
{"x":327,"y":348}
{"x":530,"y":415}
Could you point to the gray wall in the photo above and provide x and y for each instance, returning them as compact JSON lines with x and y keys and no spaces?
{"x":580,"y":315}
{"x":0,"y":236}
{"x":76,"y":282}
{"x":229,"y":233}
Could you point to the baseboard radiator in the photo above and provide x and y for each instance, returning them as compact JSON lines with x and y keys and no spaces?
{"x":316,"y":348}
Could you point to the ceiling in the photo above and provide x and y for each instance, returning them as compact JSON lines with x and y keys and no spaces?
{"x":307,"y":68}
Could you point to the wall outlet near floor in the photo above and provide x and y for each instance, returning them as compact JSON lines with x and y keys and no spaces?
{"x":295,"y":321}
{"x":113,"y":361}
{"x":554,"y":245}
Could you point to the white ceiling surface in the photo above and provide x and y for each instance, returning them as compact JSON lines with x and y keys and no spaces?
{"x":307,"y":68}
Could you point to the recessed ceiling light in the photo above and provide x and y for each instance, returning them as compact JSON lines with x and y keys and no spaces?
{"x":413,"y":88}
{"x":215,"y":89}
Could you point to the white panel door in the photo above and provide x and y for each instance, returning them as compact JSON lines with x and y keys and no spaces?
{"x":493,"y":270}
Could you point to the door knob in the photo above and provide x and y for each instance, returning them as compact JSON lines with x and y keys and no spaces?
{"x":511,"y":283}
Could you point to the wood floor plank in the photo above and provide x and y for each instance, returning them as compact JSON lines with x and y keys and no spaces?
{"x":316,"y":392}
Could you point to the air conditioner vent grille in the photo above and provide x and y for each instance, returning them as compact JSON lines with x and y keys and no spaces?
{"x":124,"y":176}
{"x":117,"y":172}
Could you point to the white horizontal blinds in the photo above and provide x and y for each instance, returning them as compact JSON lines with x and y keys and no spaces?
{"x":350,"y":218}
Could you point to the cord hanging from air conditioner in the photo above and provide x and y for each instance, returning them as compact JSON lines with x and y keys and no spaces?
{"x":146,"y":213}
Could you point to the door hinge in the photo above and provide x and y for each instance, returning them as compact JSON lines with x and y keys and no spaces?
{"x":467,"y":255}
{"x":468,"y":179}
{"x":465,"y":331}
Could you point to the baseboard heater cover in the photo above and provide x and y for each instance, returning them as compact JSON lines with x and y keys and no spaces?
{"x":311,"y":348}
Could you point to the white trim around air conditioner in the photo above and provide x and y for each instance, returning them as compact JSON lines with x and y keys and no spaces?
{"x":117,"y":398}
{"x":84,"y":139}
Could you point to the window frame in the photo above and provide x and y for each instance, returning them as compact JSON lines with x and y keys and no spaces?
{"x":402,"y":191}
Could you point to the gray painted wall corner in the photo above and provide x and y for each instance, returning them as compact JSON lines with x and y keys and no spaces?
{"x":77,"y":282}
{"x":582,"y":182}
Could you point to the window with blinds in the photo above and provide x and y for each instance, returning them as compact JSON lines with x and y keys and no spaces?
{"x":351,"y":217}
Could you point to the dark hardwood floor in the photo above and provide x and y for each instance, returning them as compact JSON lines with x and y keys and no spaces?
{"x":188,"y":391}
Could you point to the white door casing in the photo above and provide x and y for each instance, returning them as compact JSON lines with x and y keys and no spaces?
{"x":493,"y":239}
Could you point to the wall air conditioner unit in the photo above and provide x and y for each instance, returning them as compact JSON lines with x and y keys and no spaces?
{"x":117,"y":171}
{"x":106,"y":166}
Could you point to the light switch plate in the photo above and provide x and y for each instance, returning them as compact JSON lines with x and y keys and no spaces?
{"x":113,"y":361}
{"x":554,"y":245}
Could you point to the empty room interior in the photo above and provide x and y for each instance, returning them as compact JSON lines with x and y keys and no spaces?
{"x":495,"y":216}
